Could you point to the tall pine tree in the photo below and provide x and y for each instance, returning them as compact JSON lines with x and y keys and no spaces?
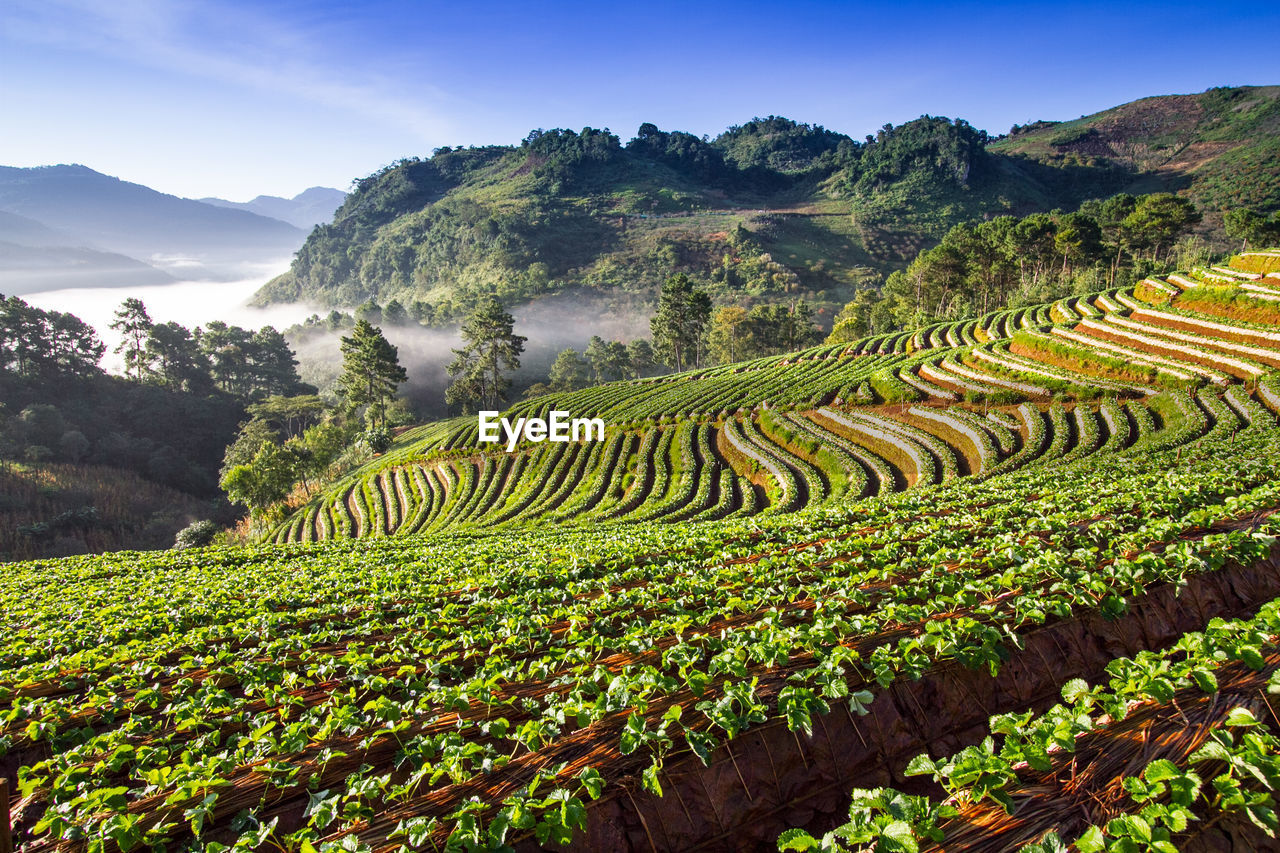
{"x":490,"y":345}
{"x":371,"y":372}
{"x":678,"y":327}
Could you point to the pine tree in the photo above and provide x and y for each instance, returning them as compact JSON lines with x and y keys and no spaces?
{"x":371,"y":371}
{"x":490,"y":345}
{"x":134,"y":325}
{"x":678,"y":327}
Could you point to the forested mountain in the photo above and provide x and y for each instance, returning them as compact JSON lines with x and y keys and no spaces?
{"x":766,"y":210}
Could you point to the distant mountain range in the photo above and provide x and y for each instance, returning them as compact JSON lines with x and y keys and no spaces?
{"x":306,"y":210}
{"x":770,"y":209}
{"x":69,"y":226}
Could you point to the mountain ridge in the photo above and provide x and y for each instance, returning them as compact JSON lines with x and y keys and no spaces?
{"x":104,"y":213}
{"x":768,"y":209}
{"x":309,"y":208}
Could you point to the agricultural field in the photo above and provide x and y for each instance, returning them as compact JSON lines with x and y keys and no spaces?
{"x":1036,"y":386}
{"x":983,"y":585}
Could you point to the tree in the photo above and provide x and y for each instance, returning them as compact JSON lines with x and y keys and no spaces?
{"x":371,"y":371}
{"x":72,"y":347}
{"x":1159,"y":219}
{"x":568,"y":372}
{"x":395,"y":314}
{"x":73,"y":445}
{"x":172,"y":358}
{"x":197,"y":534}
{"x":39,"y":343}
{"x":273,"y":368}
{"x":597,"y":355}
{"x":726,"y":335}
{"x":640,"y":358}
{"x":1251,"y":227}
{"x":290,"y":416}
{"x":490,"y":345}
{"x":370,"y":312}
{"x":262,"y":481}
{"x":422,"y":312}
{"x":609,"y":360}
{"x":683,"y":312}
{"x":250,"y":364}
{"x":252,"y":435}
{"x":325,"y":442}
{"x":134,"y":325}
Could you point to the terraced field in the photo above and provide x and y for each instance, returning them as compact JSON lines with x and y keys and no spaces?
{"x":952,"y":595}
{"x":1035,"y":386}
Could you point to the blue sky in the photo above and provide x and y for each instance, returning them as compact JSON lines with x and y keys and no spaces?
{"x":235,"y":99}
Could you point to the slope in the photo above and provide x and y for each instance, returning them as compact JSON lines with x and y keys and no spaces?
{"x":1121,"y":370}
{"x":112,"y":215}
{"x":651,"y":687}
{"x":1221,"y":147}
{"x":759,"y":212}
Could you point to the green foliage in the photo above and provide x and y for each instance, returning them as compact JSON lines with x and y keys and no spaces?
{"x":782,"y":145}
{"x":377,"y":439}
{"x":197,"y":534}
{"x":578,"y":211}
{"x":133,"y":323}
{"x":680,"y":322}
{"x":371,"y":372}
{"x":490,"y":346}
{"x":263,"y":480}
{"x":1006,"y":262}
{"x":49,"y":345}
{"x":952,"y":152}
{"x":398,"y":676}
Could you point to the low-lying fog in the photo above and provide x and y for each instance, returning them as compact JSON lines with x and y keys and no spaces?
{"x":551,"y":325}
{"x":189,"y":303}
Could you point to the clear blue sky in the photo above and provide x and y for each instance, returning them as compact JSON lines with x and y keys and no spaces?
{"x":237,"y":98}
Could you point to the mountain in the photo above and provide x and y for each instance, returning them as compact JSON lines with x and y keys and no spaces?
{"x":28,"y":232}
{"x":1220,"y":147}
{"x":108,"y":214}
{"x":30,"y":269}
{"x":35,"y":257}
{"x":770,"y":209}
{"x":307,"y":209}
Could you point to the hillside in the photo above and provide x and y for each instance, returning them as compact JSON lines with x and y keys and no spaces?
{"x":769,"y":209}
{"x":110,"y":215}
{"x":758,"y":212}
{"x":1085,"y":375}
{"x":875,"y":563}
{"x":60,"y":509}
{"x":35,"y":257}
{"x":1221,"y":147}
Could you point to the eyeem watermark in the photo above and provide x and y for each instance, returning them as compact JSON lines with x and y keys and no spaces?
{"x":559,"y":427}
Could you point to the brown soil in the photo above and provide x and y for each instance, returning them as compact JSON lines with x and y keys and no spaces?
{"x":770,"y":778}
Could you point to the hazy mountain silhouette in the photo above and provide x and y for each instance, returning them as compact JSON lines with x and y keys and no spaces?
{"x":110,"y":215}
{"x":307,"y":209}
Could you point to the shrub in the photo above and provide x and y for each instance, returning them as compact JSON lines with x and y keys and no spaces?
{"x":197,"y":534}
{"x":377,"y":439}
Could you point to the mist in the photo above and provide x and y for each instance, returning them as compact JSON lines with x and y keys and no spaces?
{"x":188,"y":303}
{"x":551,"y":324}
